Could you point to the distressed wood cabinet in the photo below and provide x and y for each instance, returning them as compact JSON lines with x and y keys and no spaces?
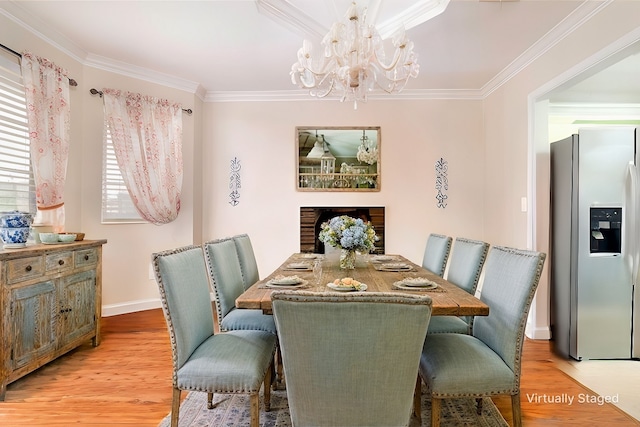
{"x":50,"y":303}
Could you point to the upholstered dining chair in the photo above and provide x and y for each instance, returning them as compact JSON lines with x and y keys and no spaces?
{"x":465,"y":265}
{"x":436,"y":253}
{"x":233,"y":362}
{"x":248,"y":264}
{"x":487,"y":362}
{"x":225,"y":274}
{"x":350,"y":359}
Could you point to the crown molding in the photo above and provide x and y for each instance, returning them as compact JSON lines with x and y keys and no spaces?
{"x":577,"y":18}
{"x":302,"y":95}
{"x":13,"y":11}
{"x":420,"y":12}
{"x":140,"y":73}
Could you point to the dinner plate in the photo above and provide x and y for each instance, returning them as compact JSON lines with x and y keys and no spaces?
{"x":382,"y":258}
{"x":310,"y":256}
{"x":286,"y":281}
{"x":298,"y":266}
{"x":418,"y":282}
{"x":338,"y":288}
{"x":56,"y":243}
{"x":402,"y":284}
{"x":395,"y":267}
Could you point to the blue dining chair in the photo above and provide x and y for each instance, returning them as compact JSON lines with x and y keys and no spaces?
{"x":203,"y":361}
{"x":465,"y":265}
{"x":436,"y":253}
{"x":228,"y":282}
{"x":247,"y":258}
{"x":487,"y":362}
{"x":350,"y":359}
{"x":225,"y":274}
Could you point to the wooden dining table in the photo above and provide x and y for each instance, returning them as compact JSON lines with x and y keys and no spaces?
{"x":380,"y":273}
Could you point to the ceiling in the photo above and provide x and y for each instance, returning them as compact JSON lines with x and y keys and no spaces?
{"x":219,"y":48}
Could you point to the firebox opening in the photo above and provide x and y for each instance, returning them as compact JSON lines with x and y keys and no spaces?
{"x":311,"y":219}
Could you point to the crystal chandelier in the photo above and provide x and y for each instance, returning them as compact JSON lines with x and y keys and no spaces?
{"x":367,"y":151}
{"x":354,"y":61}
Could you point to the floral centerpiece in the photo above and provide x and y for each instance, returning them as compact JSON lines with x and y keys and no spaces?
{"x":350,"y":235}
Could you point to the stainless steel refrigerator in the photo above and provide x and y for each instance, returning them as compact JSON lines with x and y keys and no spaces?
{"x":595,"y":241}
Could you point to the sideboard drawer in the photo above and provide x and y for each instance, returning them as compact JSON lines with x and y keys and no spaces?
{"x":59,"y":261}
{"x":21,"y":269}
{"x":86,"y":257}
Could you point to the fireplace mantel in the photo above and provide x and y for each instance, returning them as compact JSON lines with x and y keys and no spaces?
{"x":311,"y":218}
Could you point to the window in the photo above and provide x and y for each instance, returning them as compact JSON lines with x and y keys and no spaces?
{"x":117,"y":206}
{"x":17,"y":186}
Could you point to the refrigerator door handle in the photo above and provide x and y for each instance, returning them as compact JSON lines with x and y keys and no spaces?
{"x":632,"y":234}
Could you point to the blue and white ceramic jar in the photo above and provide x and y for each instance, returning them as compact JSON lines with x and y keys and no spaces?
{"x":15,"y":219}
{"x":15,"y":228}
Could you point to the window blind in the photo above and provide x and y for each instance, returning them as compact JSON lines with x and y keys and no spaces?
{"x":117,"y":206}
{"x":17,"y":186}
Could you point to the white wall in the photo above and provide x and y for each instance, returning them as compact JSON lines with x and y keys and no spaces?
{"x":414,"y":134}
{"x":515,"y":154}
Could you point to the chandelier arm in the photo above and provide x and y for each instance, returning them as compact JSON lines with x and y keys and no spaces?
{"x":396,"y":58}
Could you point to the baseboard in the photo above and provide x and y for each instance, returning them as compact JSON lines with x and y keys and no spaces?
{"x":134,"y":306}
{"x":130,"y":307}
{"x":540,"y":333}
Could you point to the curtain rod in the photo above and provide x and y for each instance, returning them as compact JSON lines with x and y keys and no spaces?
{"x":99,"y":92}
{"x":72,"y":82}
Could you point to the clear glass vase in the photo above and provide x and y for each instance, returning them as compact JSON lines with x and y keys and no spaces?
{"x":348,"y":259}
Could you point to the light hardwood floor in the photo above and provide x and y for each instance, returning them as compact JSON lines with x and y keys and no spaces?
{"x":126,"y":381}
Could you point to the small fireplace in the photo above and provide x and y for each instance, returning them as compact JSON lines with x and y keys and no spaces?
{"x":311,"y":219}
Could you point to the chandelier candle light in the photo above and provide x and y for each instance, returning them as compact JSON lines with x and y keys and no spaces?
{"x":350,"y":235}
{"x":354,"y":59}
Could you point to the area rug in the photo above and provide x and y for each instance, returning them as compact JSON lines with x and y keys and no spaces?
{"x":233,"y":411}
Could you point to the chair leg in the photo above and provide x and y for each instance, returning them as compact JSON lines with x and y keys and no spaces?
{"x":479,"y":406}
{"x":175,"y":407}
{"x":209,"y":400}
{"x":278,"y":379}
{"x":417,"y":398}
{"x":435,"y":411}
{"x":515,"y":410}
{"x":267,"y":389}
{"x":254,"y":402}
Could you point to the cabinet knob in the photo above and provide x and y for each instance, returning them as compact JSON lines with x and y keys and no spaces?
{"x":28,"y":268}
{"x":86,"y":257}
{"x":60,"y":262}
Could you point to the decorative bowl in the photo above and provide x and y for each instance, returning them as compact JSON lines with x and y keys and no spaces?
{"x":66,"y":237}
{"x":49,"y":237}
{"x":15,"y":219}
{"x":79,"y":236}
{"x":11,"y":236}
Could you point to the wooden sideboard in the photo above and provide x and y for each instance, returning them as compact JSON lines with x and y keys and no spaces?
{"x":50,"y":303}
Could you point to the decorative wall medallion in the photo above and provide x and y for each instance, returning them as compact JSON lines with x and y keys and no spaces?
{"x":234,"y":182}
{"x":442,"y":182}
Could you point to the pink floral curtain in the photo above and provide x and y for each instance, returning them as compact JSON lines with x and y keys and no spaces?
{"x":147,"y":138}
{"x":48,"y":115}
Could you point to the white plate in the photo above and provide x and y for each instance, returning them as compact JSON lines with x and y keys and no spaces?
{"x":299,"y":266}
{"x":395,"y":267}
{"x":335,"y":287}
{"x":286,"y":281}
{"x":402,"y":284}
{"x":14,"y":245}
{"x":382,"y":258}
{"x":310,"y":256}
{"x":418,"y":282}
{"x":56,"y":243}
